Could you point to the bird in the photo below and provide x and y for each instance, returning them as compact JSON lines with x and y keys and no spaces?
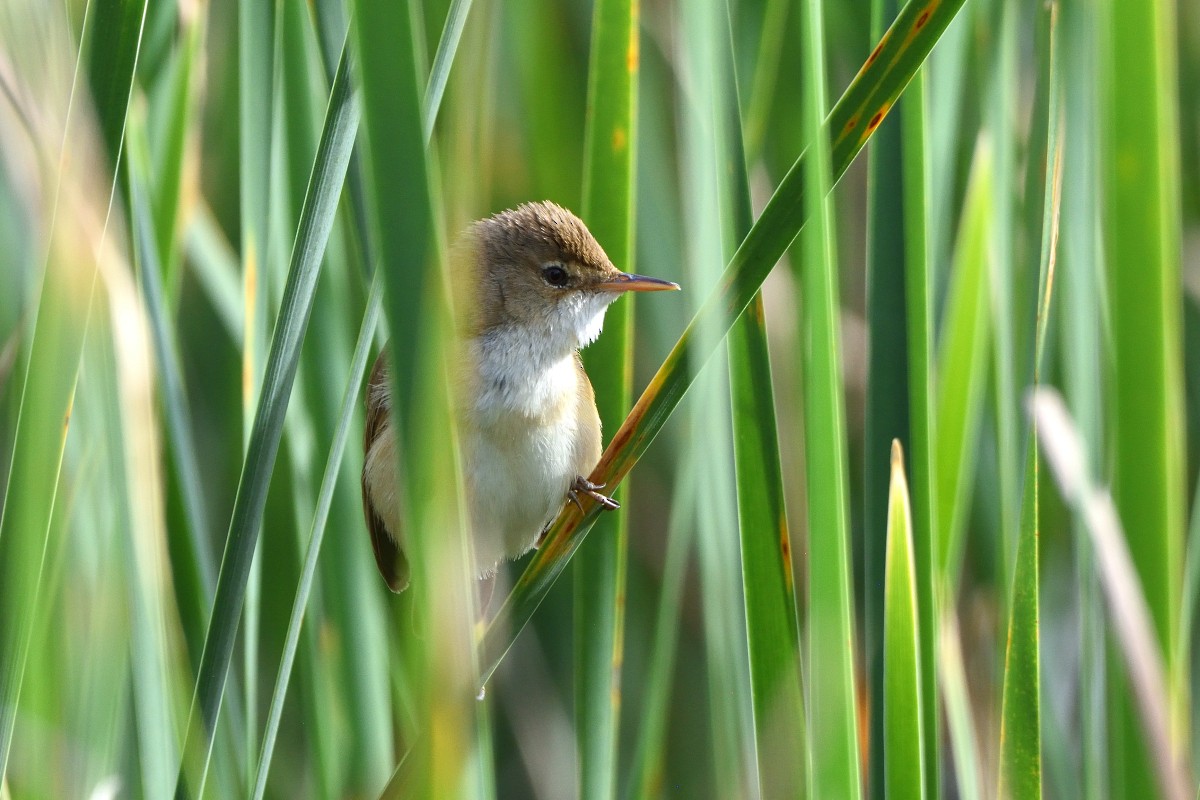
{"x":537,"y":288}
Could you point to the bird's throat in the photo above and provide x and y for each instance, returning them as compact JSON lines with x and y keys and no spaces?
{"x":520,"y":371}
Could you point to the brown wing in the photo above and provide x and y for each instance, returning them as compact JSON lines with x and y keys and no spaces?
{"x":393,"y":566}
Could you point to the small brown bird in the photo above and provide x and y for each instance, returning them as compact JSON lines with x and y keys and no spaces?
{"x":527,"y":414}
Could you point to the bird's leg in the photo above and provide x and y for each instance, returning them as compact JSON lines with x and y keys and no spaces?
{"x":583,"y":486}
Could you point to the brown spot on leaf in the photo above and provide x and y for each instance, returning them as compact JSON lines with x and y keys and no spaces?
{"x":623,"y":434}
{"x":875,"y":120}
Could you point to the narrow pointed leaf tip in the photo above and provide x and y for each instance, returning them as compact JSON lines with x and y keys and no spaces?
{"x":903,"y":740}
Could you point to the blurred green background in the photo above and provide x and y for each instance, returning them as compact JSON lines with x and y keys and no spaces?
{"x":1030,"y":208}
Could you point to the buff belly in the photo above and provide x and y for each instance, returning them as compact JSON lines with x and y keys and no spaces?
{"x":520,"y":472}
{"x":521,"y":445}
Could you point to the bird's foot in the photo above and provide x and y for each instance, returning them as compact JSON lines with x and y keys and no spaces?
{"x":583,"y":486}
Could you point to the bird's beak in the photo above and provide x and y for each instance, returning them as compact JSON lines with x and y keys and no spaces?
{"x":625,"y":282}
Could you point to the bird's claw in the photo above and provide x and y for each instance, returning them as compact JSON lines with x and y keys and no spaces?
{"x":583,"y":486}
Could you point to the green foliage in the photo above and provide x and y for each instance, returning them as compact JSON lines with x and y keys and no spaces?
{"x":904,"y":740}
{"x":608,"y":206}
{"x":312,"y":233}
{"x":203,"y":249}
{"x":834,"y":752}
{"x":1141,"y":238}
{"x":768,"y":582}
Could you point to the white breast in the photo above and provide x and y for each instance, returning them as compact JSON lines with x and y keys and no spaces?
{"x":519,"y":442}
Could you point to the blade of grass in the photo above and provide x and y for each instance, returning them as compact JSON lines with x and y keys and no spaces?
{"x":216,"y":269}
{"x":960,"y":727}
{"x":467,"y":144}
{"x":112,"y":49}
{"x":766,"y":74}
{"x":655,"y":715}
{"x":919,"y":310}
{"x":767,"y":581}
{"x":347,"y":684}
{"x":1191,"y":581}
{"x":320,"y":205}
{"x":1020,"y":725}
{"x":849,"y":124}
{"x":1003,"y":272}
{"x":608,"y":208}
{"x":256,"y":101}
{"x":439,"y":73}
{"x":904,"y":748}
{"x":1140,"y":157}
{"x":888,"y":391}
{"x":551,"y":98}
{"x":332,"y":26}
{"x":1129,"y":611}
{"x":1035,"y":188}
{"x":375,"y":722}
{"x":832,"y":710}
{"x":196,"y":604}
{"x":172,"y":155}
{"x":647,"y":775}
{"x":159,"y":684}
{"x":362,"y":760}
{"x":341,"y":696}
{"x":331,"y":753}
{"x":58,"y":333}
{"x":258,"y":44}
{"x":950,"y":127}
{"x":182,"y":448}
{"x":768,"y":586}
{"x":404,"y":201}
{"x":705,"y":159}
{"x":962,"y":361}
{"x":317,"y":535}
{"x":66,"y":673}
{"x":404,"y":244}
{"x":256,"y":104}
{"x":1020,"y":715}
{"x":373,"y":745}
{"x":1083,"y":311}
{"x":369,"y":735}
{"x":215,"y":266}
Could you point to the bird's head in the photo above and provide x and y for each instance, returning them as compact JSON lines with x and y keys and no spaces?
{"x":539,"y":266}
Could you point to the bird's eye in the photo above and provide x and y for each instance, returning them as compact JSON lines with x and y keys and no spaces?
{"x":555,"y":275}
